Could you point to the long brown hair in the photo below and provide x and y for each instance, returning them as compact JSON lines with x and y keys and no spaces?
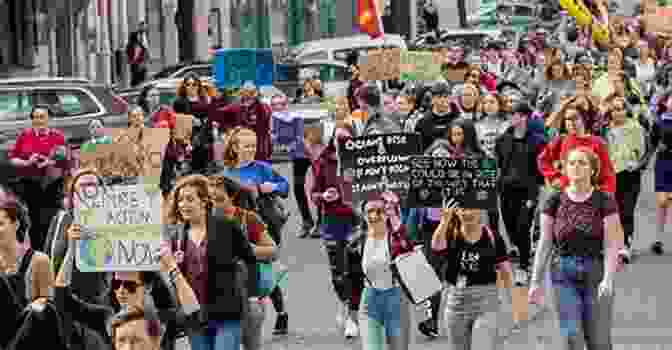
{"x":200,"y":182}
{"x":231,"y":158}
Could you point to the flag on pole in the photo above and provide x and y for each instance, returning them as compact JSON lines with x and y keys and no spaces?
{"x":369,"y":18}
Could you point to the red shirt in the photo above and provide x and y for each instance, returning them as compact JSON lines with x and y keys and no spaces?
{"x":560,"y":145}
{"x":29,"y":142}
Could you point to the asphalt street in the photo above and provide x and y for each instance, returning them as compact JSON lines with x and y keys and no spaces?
{"x":642,"y":311}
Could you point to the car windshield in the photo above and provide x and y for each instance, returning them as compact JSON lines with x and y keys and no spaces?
{"x":166,"y":72}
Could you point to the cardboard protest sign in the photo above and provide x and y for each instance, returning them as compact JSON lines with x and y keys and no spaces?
{"x":126,"y":223}
{"x":470,"y":183}
{"x":148,"y":145}
{"x":379,"y":163}
{"x":418,"y":66}
{"x":235,"y":66}
{"x":110,"y":160}
{"x":381,"y":65}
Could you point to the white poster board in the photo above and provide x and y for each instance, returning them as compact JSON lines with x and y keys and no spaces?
{"x":126,"y":221}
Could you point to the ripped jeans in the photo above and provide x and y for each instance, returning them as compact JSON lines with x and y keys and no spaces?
{"x":468,"y":309}
{"x":585,"y":317}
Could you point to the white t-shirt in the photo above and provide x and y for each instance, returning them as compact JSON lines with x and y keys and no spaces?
{"x":376,"y":263}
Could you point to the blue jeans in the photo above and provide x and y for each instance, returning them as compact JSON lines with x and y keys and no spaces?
{"x":218,"y":335}
{"x":584,"y":315}
{"x":384,"y":317}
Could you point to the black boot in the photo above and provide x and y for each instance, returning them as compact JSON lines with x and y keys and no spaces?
{"x":281,"y":324}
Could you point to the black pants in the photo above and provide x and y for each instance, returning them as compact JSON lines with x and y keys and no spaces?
{"x":427,"y":233}
{"x":138,"y":74}
{"x":628,"y":187}
{"x":518,"y":219}
{"x":337,"y":259}
{"x":300,"y":167}
{"x":43,"y":203}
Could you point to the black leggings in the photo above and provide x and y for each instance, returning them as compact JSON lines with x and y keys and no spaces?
{"x":427,"y":233}
{"x":336,"y":254}
{"x":301,"y":166}
{"x":517,"y":219}
{"x":628,"y":187}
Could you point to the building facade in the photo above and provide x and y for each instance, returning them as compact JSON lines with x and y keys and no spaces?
{"x":87,"y":38}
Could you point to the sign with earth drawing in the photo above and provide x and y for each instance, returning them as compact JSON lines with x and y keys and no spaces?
{"x":123,"y":224}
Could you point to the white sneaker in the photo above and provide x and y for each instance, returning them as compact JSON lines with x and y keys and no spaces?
{"x":625,"y":255}
{"x":351,"y":328}
{"x":520,"y":277}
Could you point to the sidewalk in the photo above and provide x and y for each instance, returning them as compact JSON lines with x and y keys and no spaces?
{"x":642,"y":313}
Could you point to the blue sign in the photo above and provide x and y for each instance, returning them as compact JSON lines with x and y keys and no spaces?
{"x":233,"y":67}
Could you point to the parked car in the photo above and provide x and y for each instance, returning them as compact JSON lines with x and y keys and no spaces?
{"x":514,"y":15}
{"x":334,"y":75}
{"x":471,"y":37}
{"x":72,"y":102}
{"x":181,"y":70}
{"x":339,"y":48}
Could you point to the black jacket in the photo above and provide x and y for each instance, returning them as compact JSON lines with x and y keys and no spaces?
{"x":226,"y":247}
{"x":518,"y":167}
{"x":432,"y":127}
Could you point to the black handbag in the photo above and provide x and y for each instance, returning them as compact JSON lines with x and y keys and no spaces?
{"x":273,"y":211}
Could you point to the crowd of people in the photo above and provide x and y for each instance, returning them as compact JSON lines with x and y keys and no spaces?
{"x":571,"y":133}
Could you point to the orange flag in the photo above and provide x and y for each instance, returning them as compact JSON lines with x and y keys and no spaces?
{"x":368,"y":18}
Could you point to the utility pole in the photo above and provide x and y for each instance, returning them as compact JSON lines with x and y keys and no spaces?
{"x":462,"y":12}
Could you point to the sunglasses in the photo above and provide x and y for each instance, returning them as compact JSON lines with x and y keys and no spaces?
{"x":190,"y":84}
{"x":130,"y":286}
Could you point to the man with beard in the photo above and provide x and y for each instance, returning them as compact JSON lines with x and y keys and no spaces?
{"x":250,"y":113}
{"x":355,"y":82}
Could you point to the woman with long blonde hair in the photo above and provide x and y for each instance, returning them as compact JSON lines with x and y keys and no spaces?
{"x":260,"y":178}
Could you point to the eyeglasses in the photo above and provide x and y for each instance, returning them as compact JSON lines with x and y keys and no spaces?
{"x":130,"y":286}
{"x":190,"y":84}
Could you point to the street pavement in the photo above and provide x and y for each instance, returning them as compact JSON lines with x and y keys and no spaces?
{"x":642,"y":311}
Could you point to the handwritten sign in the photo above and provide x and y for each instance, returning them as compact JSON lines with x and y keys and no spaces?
{"x":379,"y":163}
{"x":110,"y":159}
{"x":419,"y":66}
{"x":235,"y":66}
{"x":471,"y":183}
{"x":148,"y":146}
{"x":126,"y":221}
{"x":381,"y":65}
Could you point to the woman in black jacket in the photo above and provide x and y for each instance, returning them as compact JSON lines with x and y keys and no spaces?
{"x":207,"y":247}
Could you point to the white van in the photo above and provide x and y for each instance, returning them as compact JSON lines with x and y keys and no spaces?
{"x":338,"y":48}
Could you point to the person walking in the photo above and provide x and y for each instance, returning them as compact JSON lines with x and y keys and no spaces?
{"x":137,"y":52}
{"x":580,"y":240}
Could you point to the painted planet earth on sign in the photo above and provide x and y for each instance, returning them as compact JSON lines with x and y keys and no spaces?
{"x":98,"y":252}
